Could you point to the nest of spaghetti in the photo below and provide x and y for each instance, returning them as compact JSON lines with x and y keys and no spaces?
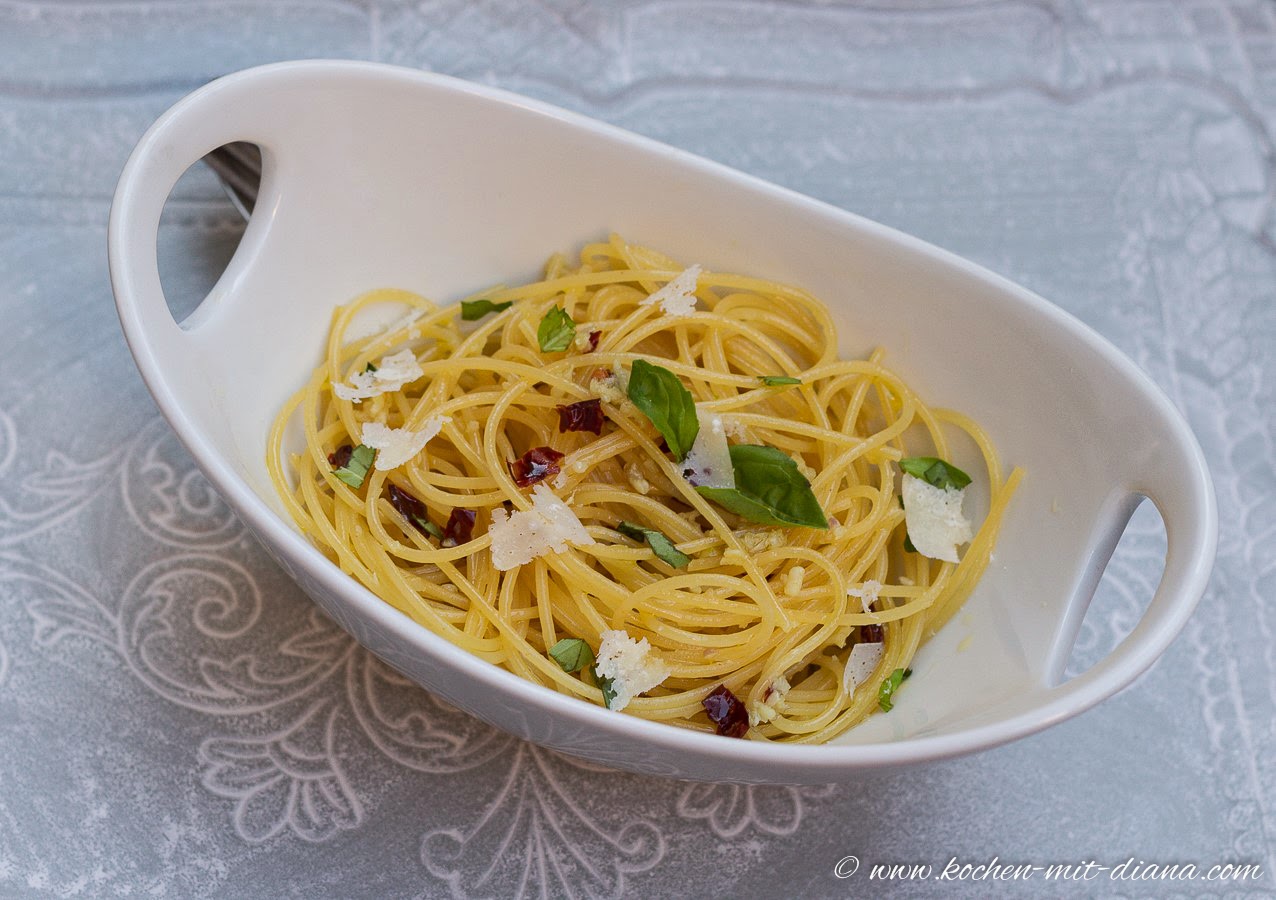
{"x":652,"y":487}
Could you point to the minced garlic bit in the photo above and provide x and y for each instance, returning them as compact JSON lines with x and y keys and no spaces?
{"x":678,"y":297}
{"x":392,"y":373}
{"x":607,"y":388}
{"x":934,"y":519}
{"x":584,"y":337}
{"x":867,"y":593}
{"x":860,"y":664}
{"x":396,"y":446}
{"x":735,"y":428}
{"x":771,"y":704}
{"x":757,"y":540}
{"x":630,"y":664}
{"x":793,"y":581}
{"x":636,"y":479}
{"x":548,"y":527}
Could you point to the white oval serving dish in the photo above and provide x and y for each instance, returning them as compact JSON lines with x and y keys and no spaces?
{"x":377,"y":176}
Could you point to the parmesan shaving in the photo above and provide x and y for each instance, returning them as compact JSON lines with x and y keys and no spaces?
{"x":867,"y":593}
{"x":548,"y":527}
{"x":396,"y":446}
{"x":708,"y":463}
{"x":678,"y":296}
{"x":934,"y":519}
{"x":860,"y":664}
{"x":392,"y":373}
{"x":630,"y":664}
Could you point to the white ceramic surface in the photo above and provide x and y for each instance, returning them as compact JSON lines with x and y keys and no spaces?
{"x":377,"y":176}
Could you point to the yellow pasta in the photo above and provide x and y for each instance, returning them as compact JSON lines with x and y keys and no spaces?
{"x":772,"y":613}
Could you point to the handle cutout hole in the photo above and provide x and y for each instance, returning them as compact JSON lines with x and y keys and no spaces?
{"x":1124,"y":591}
{"x":201,"y":226}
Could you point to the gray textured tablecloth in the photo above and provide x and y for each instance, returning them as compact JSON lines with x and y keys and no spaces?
{"x":177,"y":721}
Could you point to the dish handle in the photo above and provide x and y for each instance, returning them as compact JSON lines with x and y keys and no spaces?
{"x":1173,"y":474}
{"x":219,"y":113}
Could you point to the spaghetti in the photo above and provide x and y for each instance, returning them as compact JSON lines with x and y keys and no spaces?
{"x":754,"y":611}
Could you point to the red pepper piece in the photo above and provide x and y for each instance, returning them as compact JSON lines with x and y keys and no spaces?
{"x":587,"y":415}
{"x":460,"y":527}
{"x":535,"y":465}
{"x":409,"y":507}
{"x":340,"y":458}
{"x":726,"y":712}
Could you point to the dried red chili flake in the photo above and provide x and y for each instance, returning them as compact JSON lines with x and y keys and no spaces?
{"x":460,"y":527}
{"x":340,"y":458}
{"x":726,"y":712}
{"x":587,"y":415}
{"x":593,"y":341}
{"x":601,"y":374}
{"x":409,"y":507}
{"x":406,"y":504}
{"x":535,"y":465}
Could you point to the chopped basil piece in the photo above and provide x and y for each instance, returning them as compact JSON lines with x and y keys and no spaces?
{"x":908,"y":544}
{"x":769,"y":489}
{"x":573,"y":654}
{"x":369,"y":368}
{"x":607,"y":686}
{"x":935,"y":472}
{"x":353,"y":472}
{"x":428,"y":527}
{"x":556,"y":331}
{"x":662,"y":398}
{"x":659,"y":544}
{"x":777,"y":380}
{"x":473,"y":310}
{"x":890,"y":684}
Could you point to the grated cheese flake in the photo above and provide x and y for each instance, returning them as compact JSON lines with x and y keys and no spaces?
{"x":708,"y":462}
{"x":867,"y":593}
{"x":934,"y":519}
{"x":678,"y":296}
{"x":630,"y":664}
{"x":548,"y":527}
{"x":395,"y":446}
{"x":392,"y":373}
{"x":860,"y":664}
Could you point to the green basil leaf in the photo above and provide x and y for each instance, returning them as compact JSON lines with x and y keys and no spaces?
{"x":662,"y":398}
{"x":777,"y":380}
{"x":354,"y":472}
{"x":428,"y":527}
{"x":369,"y":368}
{"x":573,"y":654}
{"x":769,"y":489}
{"x":657,"y":541}
{"x":556,"y":331}
{"x":908,"y":544}
{"x":607,"y":686}
{"x":890,"y":684}
{"x":935,"y":472}
{"x":473,"y":310}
